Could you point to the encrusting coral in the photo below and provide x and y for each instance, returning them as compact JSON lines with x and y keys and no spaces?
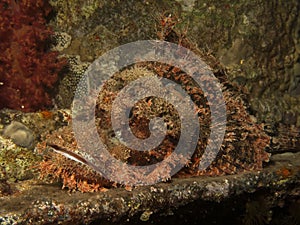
{"x":243,"y":146}
{"x":28,"y":69}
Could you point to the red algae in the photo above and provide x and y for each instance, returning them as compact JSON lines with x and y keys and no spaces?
{"x":28,"y":69}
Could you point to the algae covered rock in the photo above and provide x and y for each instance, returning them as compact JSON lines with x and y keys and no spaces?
{"x":16,"y":163}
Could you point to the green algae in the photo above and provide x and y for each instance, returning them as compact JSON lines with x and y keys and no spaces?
{"x":16,"y":163}
{"x":71,"y":13}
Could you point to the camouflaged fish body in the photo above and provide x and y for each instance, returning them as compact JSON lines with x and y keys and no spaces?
{"x":243,"y":146}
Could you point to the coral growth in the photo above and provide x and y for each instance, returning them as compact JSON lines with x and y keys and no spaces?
{"x":28,"y":69}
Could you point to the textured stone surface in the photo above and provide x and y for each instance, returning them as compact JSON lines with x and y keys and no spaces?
{"x":47,"y":204}
{"x":257,"y":42}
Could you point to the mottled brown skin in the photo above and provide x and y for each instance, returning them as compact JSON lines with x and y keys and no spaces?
{"x":243,"y":146}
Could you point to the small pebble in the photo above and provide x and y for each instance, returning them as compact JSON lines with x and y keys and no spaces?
{"x":20,"y":134}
